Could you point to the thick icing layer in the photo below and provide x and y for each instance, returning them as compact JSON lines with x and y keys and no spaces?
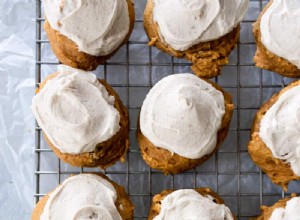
{"x":98,"y":27}
{"x":280,"y":128}
{"x":188,"y":204}
{"x":280,"y":29}
{"x":184,"y":23}
{"x":75,"y":111}
{"x":183,"y":113}
{"x":290,"y":212}
{"x":84,"y":196}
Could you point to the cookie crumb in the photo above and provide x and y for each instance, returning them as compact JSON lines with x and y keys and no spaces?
{"x":153,"y":41}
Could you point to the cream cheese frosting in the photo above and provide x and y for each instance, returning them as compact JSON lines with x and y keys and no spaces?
{"x":184,"y":23}
{"x":183,"y":113}
{"x":84,"y":196}
{"x":280,"y":128}
{"x":97,"y":27}
{"x":290,"y":212}
{"x":280,"y":30}
{"x":187,"y":204}
{"x":75,"y":111}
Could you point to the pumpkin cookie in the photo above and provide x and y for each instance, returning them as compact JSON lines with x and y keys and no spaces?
{"x":85,"y":196}
{"x":183,"y":121}
{"x":276,"y":33}
{"x":82,"y":118}
{"x":275,"y":136}
{"x":86,"y":35}
{"x":203,"y":32}
{"x":200,"y":203}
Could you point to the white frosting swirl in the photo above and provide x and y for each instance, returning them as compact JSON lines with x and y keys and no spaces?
{"x":280,"y":128}
{"x":75,"y":111}
{"x":184,"y":23}
{"x":183,"y":113}
{"x":98,"y":27}
{"x":290,"y":212}
{"x":280,"y":29}
{"x":80,"y":197}
{"x":189,"y":204}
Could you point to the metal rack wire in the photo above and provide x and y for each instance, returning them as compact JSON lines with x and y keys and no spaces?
{"x":230,"y":173}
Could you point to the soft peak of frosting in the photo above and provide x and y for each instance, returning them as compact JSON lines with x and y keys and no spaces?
{"x":183,"y":113}
{"x":189,"y":204}
{"x":280,"y":30}
{"x":280,"y":128}
{"x":184,"y":23}
{"x":84,"y":196}
{"x":75,"y":111}
{"x":98,"y":27}
{"x":290,"y":212}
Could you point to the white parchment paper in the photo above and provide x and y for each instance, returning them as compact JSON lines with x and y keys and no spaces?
{"x":17,"y":82}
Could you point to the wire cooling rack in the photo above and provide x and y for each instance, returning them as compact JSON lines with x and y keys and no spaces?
{"x":132,"y":72}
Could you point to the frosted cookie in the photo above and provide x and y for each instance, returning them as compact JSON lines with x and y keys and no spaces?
{"x":284,"y":209}
{"x":202,"y":31}
{"x":85,"y":196}
{"x":84,"y":34}
{"x":82,"y":118}
{"x":275,"y":136}
{"x":201,"y":203}
{"x":276,"y":32}
{"x":183,"y":121}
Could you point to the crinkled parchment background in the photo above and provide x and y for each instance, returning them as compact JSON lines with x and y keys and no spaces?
{"x":17,"y":81}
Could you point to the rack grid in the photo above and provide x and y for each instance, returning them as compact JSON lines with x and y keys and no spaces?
{"x":132,"y":72}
